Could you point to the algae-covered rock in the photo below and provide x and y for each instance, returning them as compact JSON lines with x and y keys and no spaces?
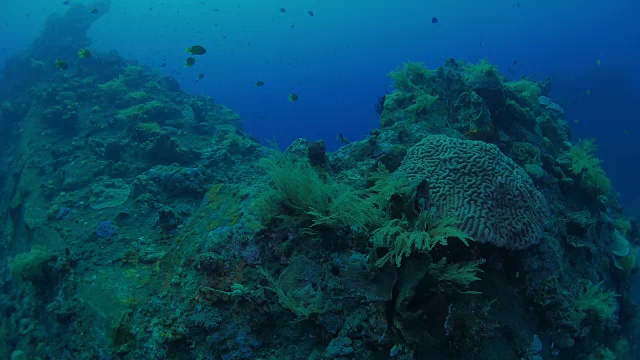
{"x":393,"y":102}
{"x":340,"y":348}
{"x":317,"y":153}
{"x":514,"y":114}
{"x":80,"y":173}
{"x":299,"y":148}
{"x":153,"y":111}
{"x":536,"y":171}
{"x":173,"y":179}
{"x":391,"y":156}
{"x":163,"y":148}
{"x":473,"y":116}
{"x":31,"y":265}
{"x":64,"y":115}
{"x":525,"y":92}
{"x":483,"y":78}
{"x":552,"y":108}
{"x":109,"y":193}
{"x":526,"y":153}
{"x":168,"y":218}
{"x":236,"y":143}
{"x":558,"y":131}
{"x":353,"y":282}
{"x":223,"y":115}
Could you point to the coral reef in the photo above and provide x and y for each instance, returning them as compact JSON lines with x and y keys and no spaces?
{"x":142,"y":222}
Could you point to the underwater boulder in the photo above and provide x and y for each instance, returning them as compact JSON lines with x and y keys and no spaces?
{"x":163,"y":148}
{"x":109,"y":193}
{"x":168,"y":218}
{"x":550,"y":107}
{"x":486,"y":83}
{"x":317,"y":153}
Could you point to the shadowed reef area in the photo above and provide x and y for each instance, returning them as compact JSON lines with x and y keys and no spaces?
{"x":141,"y":222}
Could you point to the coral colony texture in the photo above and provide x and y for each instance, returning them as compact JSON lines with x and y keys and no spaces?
{"x":142,"y":222}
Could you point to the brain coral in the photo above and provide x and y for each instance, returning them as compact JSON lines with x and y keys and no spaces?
{"x":490,"y":197}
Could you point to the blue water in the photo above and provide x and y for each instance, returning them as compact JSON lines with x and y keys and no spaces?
{"x":337,"y":60}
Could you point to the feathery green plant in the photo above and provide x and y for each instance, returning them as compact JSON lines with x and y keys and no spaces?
{"x":427,"y":232}
{"x":585,"y":164}
{"x":462,"y":273}
{"x":298,"y":187}
{"x":409,"y":76}
{"x":422,"y":102}
{"x":593,"y":299}
{"x":303,"y":303}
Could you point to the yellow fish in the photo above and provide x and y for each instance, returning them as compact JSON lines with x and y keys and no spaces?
{"x":627,"y":132}
{"x":576,"y":121}
{"x":588,"y":92}
{"x":84,"y":53}
{"x":598,"y":62}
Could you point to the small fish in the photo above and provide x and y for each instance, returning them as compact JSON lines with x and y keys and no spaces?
{"x":627,"y":132}
{"x":259,"y":83}
{"x":189,"y":62}
{"x":293,"y":97}
{"x":62,"y":64}
{"x":598,"y":62}
{"x":283,"y":10}
{"x":93,"y":11}
{"x":515,"y":62}
{"x":84,"y":53}
{"x":163,"y":65}
{"x":310,"y":13}
{"x":200,"y":76}
{"x":588,"y":92}
{"x":576,"y":121}
{"x":343,"y":139}
{"x":196,"y":50}
{"x":434,"y":20}
{"x":66,"y":2}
